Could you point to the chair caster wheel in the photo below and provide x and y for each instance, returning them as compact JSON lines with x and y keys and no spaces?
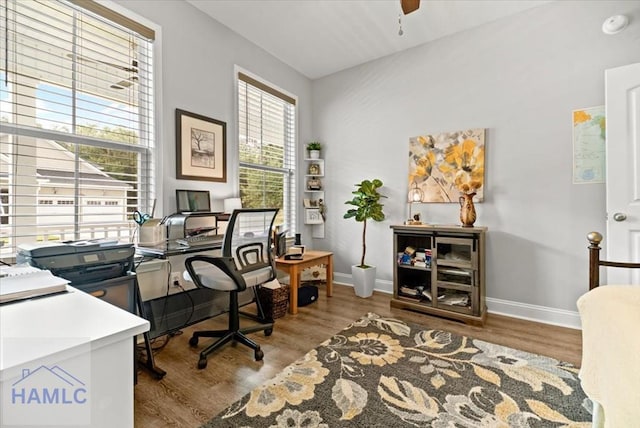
{"x":194,"y":342}
{"x":259,"y":355}
{"x":202,"y":363}
{"x":268,"y":332}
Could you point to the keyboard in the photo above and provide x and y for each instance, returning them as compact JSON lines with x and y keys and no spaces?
{"x":199,"y":240}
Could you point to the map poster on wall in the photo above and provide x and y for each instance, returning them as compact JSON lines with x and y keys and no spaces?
{"x":589,"y":145}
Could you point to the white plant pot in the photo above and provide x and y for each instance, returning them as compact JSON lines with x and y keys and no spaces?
{"x":314,"y":154}
{"x":364,"y":280}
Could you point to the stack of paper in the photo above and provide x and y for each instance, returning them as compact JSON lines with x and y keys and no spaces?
{"x":25,"y":282}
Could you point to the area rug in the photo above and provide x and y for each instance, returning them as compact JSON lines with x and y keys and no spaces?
{"x":383,"y":372}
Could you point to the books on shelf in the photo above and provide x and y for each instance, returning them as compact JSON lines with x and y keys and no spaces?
{"x":444,"y":298}
{"x":418,"y":258}
{"x":25,"y":282}
{"x":409,"y":291}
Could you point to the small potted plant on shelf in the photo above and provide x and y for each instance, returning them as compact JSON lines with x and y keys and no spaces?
{"x":366,"y":201}
{"x":314,"y":149}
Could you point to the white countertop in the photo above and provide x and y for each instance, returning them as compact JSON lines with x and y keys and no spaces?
{"x":43,"y":327}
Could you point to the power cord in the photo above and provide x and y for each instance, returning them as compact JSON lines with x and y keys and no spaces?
{"x":177,"y":331}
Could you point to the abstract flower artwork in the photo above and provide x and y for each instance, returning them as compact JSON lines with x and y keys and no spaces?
{"x":442,"y":165}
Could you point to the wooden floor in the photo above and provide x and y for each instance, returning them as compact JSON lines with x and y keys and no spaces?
{"x":188,"y":397}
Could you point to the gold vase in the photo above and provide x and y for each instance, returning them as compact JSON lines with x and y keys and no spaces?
{"x":467,"y":210}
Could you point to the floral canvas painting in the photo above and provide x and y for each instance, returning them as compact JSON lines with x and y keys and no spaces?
{"x":445,"y":166}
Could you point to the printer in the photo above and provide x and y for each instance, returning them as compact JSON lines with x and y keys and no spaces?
{"x":80,"y":262}
{"x":101,"y":267}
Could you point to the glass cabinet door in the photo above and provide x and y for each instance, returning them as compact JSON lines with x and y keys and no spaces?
{"x":455,"y":274}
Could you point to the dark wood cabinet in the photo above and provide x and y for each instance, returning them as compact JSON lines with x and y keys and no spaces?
{"x":439,"y":270}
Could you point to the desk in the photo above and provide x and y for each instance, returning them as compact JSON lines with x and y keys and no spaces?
{"x":44,"y":341}
{"x":172,"y":248}
{"x":171,"y":308}
{"x":294,"y":267}
{"x":159,"y":267}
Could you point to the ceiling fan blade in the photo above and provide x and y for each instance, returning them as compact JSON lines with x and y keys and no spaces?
{"x":409,"y":6}
{"x":132,"y":69}
{"x":123,"y":84}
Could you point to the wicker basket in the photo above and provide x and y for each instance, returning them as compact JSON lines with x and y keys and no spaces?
{"x":274,"y":301}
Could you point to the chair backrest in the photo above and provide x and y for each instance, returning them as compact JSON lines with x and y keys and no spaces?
{"x":594,"y":260}
{"x":248,"y":238}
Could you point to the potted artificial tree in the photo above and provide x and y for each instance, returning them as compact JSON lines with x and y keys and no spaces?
{"x":314,"y":149}
{"x":366,"y":201}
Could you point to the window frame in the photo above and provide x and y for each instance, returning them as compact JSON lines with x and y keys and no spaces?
{"x":149,"y":168}
{"x":290,"y":192}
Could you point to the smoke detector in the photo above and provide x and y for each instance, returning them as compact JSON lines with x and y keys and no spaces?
{"x":615,"y":24}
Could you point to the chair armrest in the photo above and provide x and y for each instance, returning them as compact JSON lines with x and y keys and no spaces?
{"x":225,"y":264}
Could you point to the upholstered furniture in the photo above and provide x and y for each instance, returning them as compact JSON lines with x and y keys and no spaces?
{"x":246,"y":263}
{"x":610,"y":370}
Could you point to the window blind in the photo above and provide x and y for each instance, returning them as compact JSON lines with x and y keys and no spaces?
{"x":267,"y":141}
{"x":76,"y":131}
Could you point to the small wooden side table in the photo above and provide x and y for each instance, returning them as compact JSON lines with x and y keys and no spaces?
{"x":294,"y":267}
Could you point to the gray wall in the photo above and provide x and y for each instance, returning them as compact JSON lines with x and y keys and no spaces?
{"x":198,"y":56}
{"x":520,"y":78}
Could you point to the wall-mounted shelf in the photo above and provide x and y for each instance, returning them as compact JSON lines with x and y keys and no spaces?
{"x":314,"y":200}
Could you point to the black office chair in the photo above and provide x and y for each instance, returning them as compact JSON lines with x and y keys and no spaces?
{"x":246,"y":261}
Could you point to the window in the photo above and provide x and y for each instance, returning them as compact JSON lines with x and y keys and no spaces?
{"x":76,"y":112}
{"x":267,"y":141}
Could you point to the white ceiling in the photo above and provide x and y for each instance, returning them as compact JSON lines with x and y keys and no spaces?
{"x":321,"y":37}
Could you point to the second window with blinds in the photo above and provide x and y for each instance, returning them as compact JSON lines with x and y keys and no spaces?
{"x":267,"y":142}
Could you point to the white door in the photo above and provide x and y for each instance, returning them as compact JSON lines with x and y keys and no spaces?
{"x":622,"y":87}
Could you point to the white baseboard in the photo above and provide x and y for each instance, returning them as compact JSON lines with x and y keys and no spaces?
{"x":342,"y":279}
{"x":543,"y":314}
{"x":381,"y":285}
{"x":525,"y":311}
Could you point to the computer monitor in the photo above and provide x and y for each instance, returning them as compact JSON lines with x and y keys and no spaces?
{"x":193,"y":201}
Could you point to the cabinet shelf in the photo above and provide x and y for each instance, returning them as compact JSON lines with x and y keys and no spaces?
{"x":454,"y":286}
{"x":456,"y":308}
{"x":455,"y":275}
{"x":457,"y":272}
{"x":456,"y":264}
{"x":415,"y":299}
{"x":401,"y":266}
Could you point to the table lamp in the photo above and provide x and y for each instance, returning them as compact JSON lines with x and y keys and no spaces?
{"x":416,"y":195}
{"x":231,"y":204}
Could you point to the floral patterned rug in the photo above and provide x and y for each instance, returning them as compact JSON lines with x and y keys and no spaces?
{"x":383,"y":372}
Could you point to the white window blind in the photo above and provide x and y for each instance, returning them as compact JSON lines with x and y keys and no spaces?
{"x":267,"y":141}
{"x":76,"y":122}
